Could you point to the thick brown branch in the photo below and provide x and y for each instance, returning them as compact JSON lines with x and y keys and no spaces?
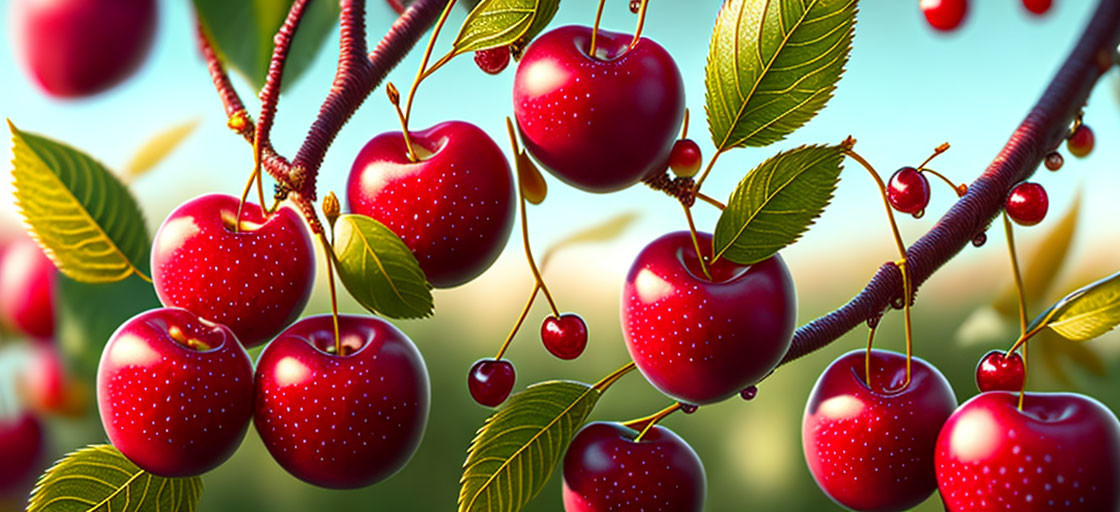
{"x":1045,"y":127}
{"x":270,"y":93}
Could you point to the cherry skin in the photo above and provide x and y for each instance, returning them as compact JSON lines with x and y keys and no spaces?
{"x":871,"y":448}
{"x":255,"y":280}
{"x":565,"y":337}
{"x":347,"y":420}
{"x":21,"y":449}
{"x":1027,"y":204}
{"x":1061,"y":452}
{"x":944,"y":15}
{"x":604,"y":469}
{"x":600,"y":123}
{"x":27,"y":289}
{"x":454,"y":208}
{"x":175,"y":392}
{"x":1038,"y":7}
{"x":493,"y":60}
{"x":701,"y":340}
{"x":685,"y":159}
{"x":490,"y":381}
{"x":908,"y":191}
{"x":999,"y":372}
{"x":1080,"y":144}
{"x":76,"y":48}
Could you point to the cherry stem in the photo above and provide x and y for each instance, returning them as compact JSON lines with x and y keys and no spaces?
{"x":959,"y":190}
{"x":520,"y":320}
{"x":595,"y":29}
{"x":647,"y":423}
{"x":613,"y":377}
{"x":641,"y":23}
{"x":1026,"y":373}
{"x":684,"y":125}
{"x":1019,"y":293}
{"x":904,"y":267}
{"x":328,"y":249}
{"x":867,"y":357}
{"x":395,"y":99}
{"x":850,"y":153}
{"x":711,"y":200}
{"x":696,"y":241}
{"x":525,"y":225}
{"x":707,"y":170}
{"x":421,"y":73}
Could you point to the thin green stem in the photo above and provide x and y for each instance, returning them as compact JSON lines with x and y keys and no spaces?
{"x":707,"y":171}
{"x":613,"y":377}
{"x":647,"y":423}
{"x":1019,"y":293}
{"x":641,"y":24}
{"x":520,"y":320}
{"x":421,"y":73}
{"x":329,"y":252}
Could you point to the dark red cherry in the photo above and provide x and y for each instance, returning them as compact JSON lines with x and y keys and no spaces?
{"x":685,"y":159}
{"x":1027,"y":204}
{"x":565,"y":337}
{"x":944,"y":15}
{"x":1038,"y":7}
{"x":492,"y":60}
{"x":490,"y":381}
{"x":1080,"y":143}
{"x":1054,"y":161}
{"x":908,"y":191}
{"x":999,"y":372}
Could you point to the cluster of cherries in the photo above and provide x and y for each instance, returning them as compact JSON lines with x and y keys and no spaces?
{"x":947,"y":15}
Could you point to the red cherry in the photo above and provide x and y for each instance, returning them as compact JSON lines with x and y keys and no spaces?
{"x":1061,"y":452}
{"x":1038,"y":7}
{"x":341,"y":421}
{"x":999,"y":372}
{"x":21,"y":449}
{"x":256,"y":280}
{"x":1054,"y":161}
{"x":491,"y":381}
{"x":1080,"y":143}
{"x":944,"y":15}
{"x":749,"y":393}
{"x":604,"y":469}
{"x":27,"y":289}
{"x":175,"y":392}
{"x":1027,"y":204}
{"x":454,"y":208}
{"x":908,"y":191}
{"x":635,"y":6}
{"x":600,"y":123}
{"x":685,"y":159}
{"x":701,"y":341}
{"x":492,"y":60}
{"x":872,"y":448}
{"x":46,"y":386}
{"x":75,"y":48}
{"x":565,"y":337}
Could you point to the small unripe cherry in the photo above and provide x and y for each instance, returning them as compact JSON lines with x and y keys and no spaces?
{"x":944,"y":15}
{"x":564,"y":336}
{"x":1027,"y":204}
{"x":490,"y":381}
{"x":685,"y":159}
{"x":998,"y":371}
{"x":635,"y":6}
{"x":492,"y":60}
{"x":1080,"y":143}
{"x":1037,"y":7}
{"x":1054,"y":161}
{"x":908,"y":191}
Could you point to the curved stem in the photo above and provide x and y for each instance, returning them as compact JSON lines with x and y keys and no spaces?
{"x":641,"y":23}
{"x":696,"y":241}
{"x":328,"y":250}
{"x":647,"y":423}
{"x":525,"y":226}
{"x":707,"y":170}
{"x":684,"y":125}
{"x":420,"y":74}
{"x":711,"y":200}
{"x":520,"y":320}
{"x":1007,"y":229}
{"x":595,"y":29}
{"x":959,"y":190}
{"x":867,"y":356}
{"x":609,"y":380}
{"x":886,"y":203}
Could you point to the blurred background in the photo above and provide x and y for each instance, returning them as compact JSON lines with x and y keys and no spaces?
{"x":906,"y":90}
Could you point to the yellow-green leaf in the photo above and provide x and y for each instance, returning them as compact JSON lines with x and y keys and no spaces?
{"x":530,"y":180}
{"x":379,"y":270}
{"x":1086,"y":313}
{"x":605,"y":231}
{"x":87,"y":221}
{"x":516,"y":450}
{"x":494,"y":23}
{"x":772,"y":65}
{"x":1044,"y":264}
{"x":157,"y":148}
{"x":100,"y":479}
{"x":776,"y":203}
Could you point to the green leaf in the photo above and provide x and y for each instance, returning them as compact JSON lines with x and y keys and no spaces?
{"x":773,"y":65}
{"x":605,"y":231}
{"x":242,"y":32}
{"x":88,"y":223}
{"x":99,"y":479}
{"x":158,"y":147}
{"x":89,"y":313}
{"x":515,"y":451}
{"x":776,"y":202}
{"x":546,"y":10}
{"x":495,"y":23}
{"x":379,"y":270}
{"x":1086,"y":313}
{"x":1044,"y":265}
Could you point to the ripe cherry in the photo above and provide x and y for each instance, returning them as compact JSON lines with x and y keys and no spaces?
{"x":453,"y":208}
{"x":492,"y":60}
{"x":998,"y":371}
{"x":175,"y":392}
{"x":1027,"y":204}
{"x":345,"y":420}
{"x":565,"y":337}
{"x":1038,"y":7}
{"x":255,"y":279}
{"x":1060,"y":452}
{"x":598,"y":122}
{"x":908,"y":191}
{"x":1080,"y":143}
{"x":47,"y":387}
{"x":871,"y":448}
{"x":75,"y":48}
{"x":685,"y":159}
{"x":490,"y":381}
{"x":1054,"y":161}
{"x":605,"y":469}
{"x":21,"y":449}
{"x":944,"y":15}
{"x":27,"y":289}
{"x":701,"y":340}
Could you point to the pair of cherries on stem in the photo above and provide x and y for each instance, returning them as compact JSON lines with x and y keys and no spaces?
{"x":490,"y":381}
{"x":947,"y":15}
{"x":908,"y":191}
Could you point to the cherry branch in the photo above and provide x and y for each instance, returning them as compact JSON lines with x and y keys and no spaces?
{"x":270,"y":93}
{"x":1043,"y":130}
